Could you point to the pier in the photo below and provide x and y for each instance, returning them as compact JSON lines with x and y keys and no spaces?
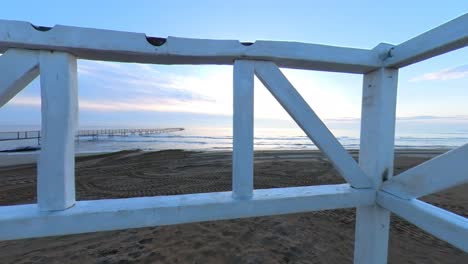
{"x":93,"y":133}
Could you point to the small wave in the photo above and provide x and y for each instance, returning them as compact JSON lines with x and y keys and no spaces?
{"x":264,"y":142}
{"x":187,"y":137}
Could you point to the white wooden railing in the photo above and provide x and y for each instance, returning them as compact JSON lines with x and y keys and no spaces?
{"x":52,"y":52}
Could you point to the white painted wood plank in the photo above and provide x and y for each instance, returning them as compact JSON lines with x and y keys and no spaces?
{"x":98,"y":44}
{"x":24,"y":221}
{"x":271,"y":76}
{"x":371,"y":234}
{"x":443,"y":224}
{"x":445,"y":38}
{"x":440,"y":173}
{"x":17,"y":68}
{"x":376,"y":159}
{"x":378,"y":110}
{"x":243,"y":130}
{"x":307,"y":56}
{"x":56,"y":164}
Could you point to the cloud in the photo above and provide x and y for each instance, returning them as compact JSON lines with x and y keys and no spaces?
{"x":417,"y":118}
{"x":433,"y":118}
{"x":200,"y":107}
{"x":445,"y":74}
{"x":119,"y":87}
{"x":124,"y":79}
{"x":199,"y":89}
{"x":131,"y":105}
{"x":34,"y":101}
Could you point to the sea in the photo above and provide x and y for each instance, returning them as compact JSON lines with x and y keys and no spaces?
{"x":220,"y":139}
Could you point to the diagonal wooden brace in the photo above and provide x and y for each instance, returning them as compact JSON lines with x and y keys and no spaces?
{"x":271,"y":76}
{"x":18,"y":68}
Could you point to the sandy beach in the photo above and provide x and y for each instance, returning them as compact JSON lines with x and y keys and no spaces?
{"x":316,"y":237}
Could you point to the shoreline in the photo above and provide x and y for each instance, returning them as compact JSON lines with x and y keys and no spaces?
{"x":25,"y":157}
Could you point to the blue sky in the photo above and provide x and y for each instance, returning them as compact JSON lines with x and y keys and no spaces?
{"x":115,"y":94}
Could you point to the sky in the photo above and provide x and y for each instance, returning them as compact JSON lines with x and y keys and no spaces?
{"x":123,"y":95}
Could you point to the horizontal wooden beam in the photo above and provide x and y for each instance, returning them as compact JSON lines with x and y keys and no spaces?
{"x":440,"y":173}
{"x":17,"y":69}
{"x":443,"y":224}
{"x":108,"y":45}
{"x":25,"y":221}
{"x":285,"y":93}
{"x":445,"y":38}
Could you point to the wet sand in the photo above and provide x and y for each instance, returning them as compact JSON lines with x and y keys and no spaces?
{"x":316,"y":237}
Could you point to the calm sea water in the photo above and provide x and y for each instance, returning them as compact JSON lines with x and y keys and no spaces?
{"x":265,"y":139}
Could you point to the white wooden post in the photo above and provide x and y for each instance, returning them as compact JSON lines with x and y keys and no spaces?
{"x":56,"y":165}
{"x":376,"y":159}
{"x":243,"y":120}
